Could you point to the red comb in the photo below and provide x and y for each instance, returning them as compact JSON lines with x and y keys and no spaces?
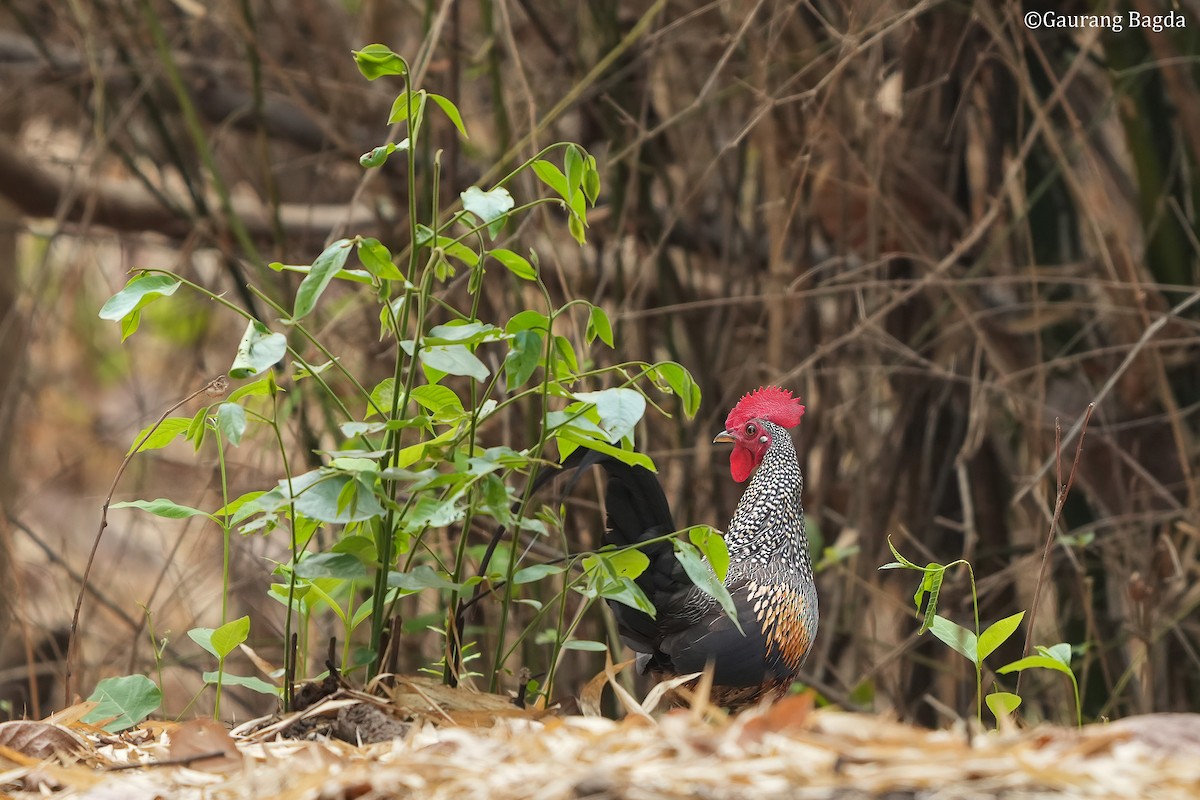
{"x":770,"y":403}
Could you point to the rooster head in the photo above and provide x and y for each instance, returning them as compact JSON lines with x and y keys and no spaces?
{"x":744,"y":429}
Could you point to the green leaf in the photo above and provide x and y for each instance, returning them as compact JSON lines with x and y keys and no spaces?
{"x":1060,"y":652}
{"x":264,"y":386}
{"x":490,"y":208}
{"x":440,"y":401}
{"x":377,"y":60}
{"x":378,"y":156}
{"x":631,"y":457}
{"x":126,"y":701}
{"x":258,"y":351}
{"x":516,"y":264}
{"x":620,"y":410}
{"x":705,"y":578}
{"x":536,"y":572}
{"x":528,"y":320}
{"x":1036,"y":662}
{"x":159,"y":435}
{"x":226,"y":638}
{"x":712,"y":545}
{"x":403,"y":103}
{"x":591,"y":180}
{"x":625,"y":591}
{"x":463,"y":332}
{"x":997,"y":633}
{"x":377,"y":260}
{"x":454,"y":359}
{"x":419,"y":578}
{"x":1002,"y":704}
{"x":682,"y":384}
{"x":585,"y":644}
{"x":253,"y":684}
{"x":127,"y":304}
{"x":328,"y":264}
{"x":231,"y":421}
{"x":316,"y":496}
{"x":573,"y":165}
{"x":524,"y":355}
{"x":162,"y":507}
{"x":342,"y":566}
{"x":628,"y":562}
{"x":931,"y":584}
{"x":203,"y":637}
{"x":599,"y":326}
{"x":958,"y":638}
{"x":451,"y":112}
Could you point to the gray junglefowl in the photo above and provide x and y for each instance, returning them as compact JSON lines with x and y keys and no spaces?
{"x":770,"y":576}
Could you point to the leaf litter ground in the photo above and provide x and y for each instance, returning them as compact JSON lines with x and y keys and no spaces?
{"x":428,"y":741}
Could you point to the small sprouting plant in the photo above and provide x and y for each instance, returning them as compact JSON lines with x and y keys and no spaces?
{"x":974,"y":644}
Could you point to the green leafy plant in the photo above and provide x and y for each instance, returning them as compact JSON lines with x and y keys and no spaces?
{"x":411,"y":456}
{"x":974,"y":644}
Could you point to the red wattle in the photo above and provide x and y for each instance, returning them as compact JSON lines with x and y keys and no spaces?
{"x":741,"y":463}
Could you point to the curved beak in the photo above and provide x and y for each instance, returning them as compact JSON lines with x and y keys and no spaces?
{"x":724,"y":437}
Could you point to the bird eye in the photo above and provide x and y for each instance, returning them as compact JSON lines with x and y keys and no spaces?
{"x":751,"y":428}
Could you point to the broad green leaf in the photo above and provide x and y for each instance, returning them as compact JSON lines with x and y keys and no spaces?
{"x":516,"y":264}
{"x":408,"y":102}
{"x":438,"y":400}
{"x":599,"y":326}
{"x":377,"y":60}
{"x":490,"y":208}
{"x":958,"y":638}
{"x":162,"y":507}
{"x":328,"y":264}
{"x":126,"y":701}
{"x":137,"y":293}
{"x":463,"y":332}
{"x":997,"y":633}
{"x":682,"y":384}
{"x":1060,"y":652}
{"x":160,"y":434}
{"x":631,"y":457}
{"x":377,"y":260}
{"x":253,"y":684}
{"x":264,"y":386}
{"x":127,"y":304}
{"x":528,"y":320}
{"x":625,"y":591}
{"x":231,"y":421}
{"x":524,"y":355}
{"x":226,"y":638}
{"x":712,"y":545}
{"x":454,"y":359}
{"x":203,"y":637}
{"x":536,"y":572}
{"x":628,"y":562}
{"x":419,"y":578}
{"x":1036,"y":662}
{"x":1002,"y":704}
{"x":316,"y":496}
{"x":586,"y":645}
{"x":451,"y":111}
{"x":258,"y":351}
{"x":343,"y":566}
{"x":620,"y":410}
{"x":705,"y":579}
{"x":382,"y":397}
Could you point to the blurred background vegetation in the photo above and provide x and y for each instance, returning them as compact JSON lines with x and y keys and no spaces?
{"x":943,"y":229}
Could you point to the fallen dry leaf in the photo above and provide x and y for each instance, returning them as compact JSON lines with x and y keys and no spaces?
{"x":205,"y":745}
{"x":39,"y":739}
